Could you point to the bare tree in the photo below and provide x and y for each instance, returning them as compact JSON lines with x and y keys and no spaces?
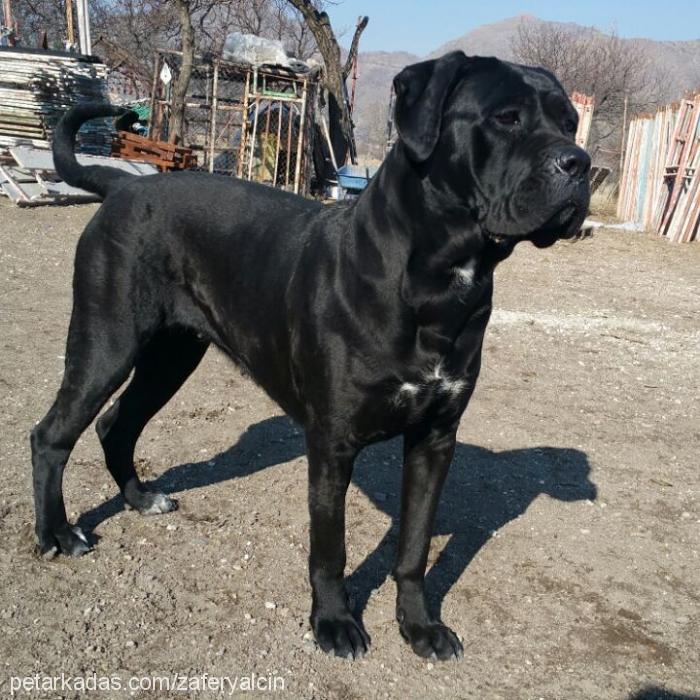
{"x":129,"y":31}
{"x":185,"y":10}
{"x":604,"y":65}
{"x":274,"y":19}
{"x":340,"y":122}
{"x":374,"y":136}
{"x":251,"y":16}
{"x":292,"y":30}
{"x":36,"y":17}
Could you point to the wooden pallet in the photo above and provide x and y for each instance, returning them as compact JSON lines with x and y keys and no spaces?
{"x":675,"y":170}
{"x":165,"y":156}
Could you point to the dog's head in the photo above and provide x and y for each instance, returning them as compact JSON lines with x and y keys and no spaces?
{"x":496,"y":139}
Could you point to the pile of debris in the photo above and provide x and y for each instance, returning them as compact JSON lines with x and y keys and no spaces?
{"x":28,"y":176}
{"x":37,"y":87}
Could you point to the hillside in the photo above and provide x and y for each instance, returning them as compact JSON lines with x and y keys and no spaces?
{"x":677,"y":61}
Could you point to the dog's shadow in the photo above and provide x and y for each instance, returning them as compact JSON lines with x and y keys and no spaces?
{"x":484,"y":491}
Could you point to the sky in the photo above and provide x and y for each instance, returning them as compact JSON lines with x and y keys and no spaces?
{"x":420,"y":26}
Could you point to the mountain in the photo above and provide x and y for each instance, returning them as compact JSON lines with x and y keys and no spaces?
{"x":677,"y":61}
{"x":487,"y":40}
{"x":375,"y":71}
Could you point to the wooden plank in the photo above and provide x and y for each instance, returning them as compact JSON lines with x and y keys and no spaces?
{"x":660,"y":178}
{"x":11,"y":188}
{"x":36,"y":88}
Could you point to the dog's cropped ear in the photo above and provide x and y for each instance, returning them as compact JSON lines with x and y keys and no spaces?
{"x":421,"y":90}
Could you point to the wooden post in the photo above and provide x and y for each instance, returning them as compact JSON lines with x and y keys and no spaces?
{"x":266,"y":138}
{"x":624,"y":130}
{"x":8,"y":21}
{"x":244,"y":127}
{"x":300,"y":143}
{"x":70,"y":30}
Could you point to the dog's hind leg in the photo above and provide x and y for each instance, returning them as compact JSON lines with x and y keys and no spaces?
{"x":161,"y":369}
{"x":99,"y":356}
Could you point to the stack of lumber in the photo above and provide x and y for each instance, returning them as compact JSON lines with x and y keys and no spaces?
{"x":37,"y":87}
{"x":165,"y":156}
{"x":28,"y":176}
{"x":660,"y":180}
{"x":584,"y":104}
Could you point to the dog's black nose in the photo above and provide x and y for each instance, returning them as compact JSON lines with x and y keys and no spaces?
{"x":573,"y":161}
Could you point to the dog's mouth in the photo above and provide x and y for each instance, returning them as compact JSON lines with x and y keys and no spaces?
{"x":564,"y":224}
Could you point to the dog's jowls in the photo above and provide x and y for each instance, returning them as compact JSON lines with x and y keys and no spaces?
{"x":363,"y":320}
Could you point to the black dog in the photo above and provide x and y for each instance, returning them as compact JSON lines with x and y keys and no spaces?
{"x":363,"y":320}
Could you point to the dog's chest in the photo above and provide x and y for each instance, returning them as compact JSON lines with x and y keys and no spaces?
{"x":434,"y":383}
{"x":443,"y":373}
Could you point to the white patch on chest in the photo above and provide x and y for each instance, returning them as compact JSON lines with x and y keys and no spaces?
{"x":466,"y":274}
{"x":433,"y":381}
{"x":408,"y":388}
{"x":453,"y":386}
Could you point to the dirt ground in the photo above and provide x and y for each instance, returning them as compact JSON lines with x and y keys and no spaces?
{"x":567,"y":545}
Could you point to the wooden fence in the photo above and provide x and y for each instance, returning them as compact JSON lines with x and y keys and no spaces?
{"x":660,"y":183}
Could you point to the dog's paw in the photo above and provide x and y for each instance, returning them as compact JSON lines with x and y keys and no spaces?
{"x":67,"y":539}
{"x":433,"y":640}
{"x":342,"y":636}
{"x":151,"y":502}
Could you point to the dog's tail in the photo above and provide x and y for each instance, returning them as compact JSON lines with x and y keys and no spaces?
{"x":93,"y":178}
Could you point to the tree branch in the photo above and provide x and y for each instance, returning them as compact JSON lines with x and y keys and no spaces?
{"x":352,"y":55}
{"x":339,"y":120}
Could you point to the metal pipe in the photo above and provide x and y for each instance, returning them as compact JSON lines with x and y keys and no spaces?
{"x":86,"y":23}
{"x":81,"y":27}
{"x":154,"y":88}
{"x":214,"y":105}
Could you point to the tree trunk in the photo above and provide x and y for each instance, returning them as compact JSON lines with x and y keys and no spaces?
{"x":340,"y":124}
{"x":182,"y":82}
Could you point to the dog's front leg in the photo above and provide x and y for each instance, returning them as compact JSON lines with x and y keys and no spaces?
{"x":330,"y":468}
{"x":427,"y":457}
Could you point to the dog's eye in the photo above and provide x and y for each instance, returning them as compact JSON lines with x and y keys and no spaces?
{"x":570,"y":126}
{"x":509,"y":117}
